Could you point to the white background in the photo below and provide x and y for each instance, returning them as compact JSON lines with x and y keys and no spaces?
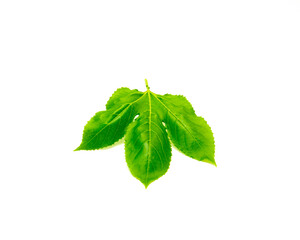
{"x":238,"y":62}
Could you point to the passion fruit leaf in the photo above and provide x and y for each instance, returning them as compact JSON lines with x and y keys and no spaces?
{"x":147,"y":144}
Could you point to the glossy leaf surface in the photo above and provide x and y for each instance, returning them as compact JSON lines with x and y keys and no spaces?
{"x":149,"y":121}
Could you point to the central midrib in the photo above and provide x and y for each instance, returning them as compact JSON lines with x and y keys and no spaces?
{"x":149,"y":143}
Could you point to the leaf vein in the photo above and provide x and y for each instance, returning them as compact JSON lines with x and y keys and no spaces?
{"x":178,"y":120}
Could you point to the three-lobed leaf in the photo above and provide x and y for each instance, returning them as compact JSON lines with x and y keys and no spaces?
{"x":161,"y":118}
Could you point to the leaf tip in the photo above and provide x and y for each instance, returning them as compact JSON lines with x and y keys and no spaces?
{"x":146,"y":183}
{"x":77,"y":149}
{"x":212,"y":162}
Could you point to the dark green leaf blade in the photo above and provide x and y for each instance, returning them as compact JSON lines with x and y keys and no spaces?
{"x":147,"y":148}
{"x":188,"y":132}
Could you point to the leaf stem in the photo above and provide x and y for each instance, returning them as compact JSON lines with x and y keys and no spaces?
{"x":146,"y":82}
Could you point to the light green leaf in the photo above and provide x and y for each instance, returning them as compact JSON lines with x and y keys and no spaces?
{"x":107,"y":127}
{"x":147,"y":144}
{"x":147,"y":147}
{"x":123,"y":96}
{"x":188,"y":132}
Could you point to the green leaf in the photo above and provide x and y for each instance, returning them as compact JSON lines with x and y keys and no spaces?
{"x":123,"y":96}
{"x":188,"y":132}
{"x":147,"y":147}
{"x":147,"y":144}
{"x":107,"y":127}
